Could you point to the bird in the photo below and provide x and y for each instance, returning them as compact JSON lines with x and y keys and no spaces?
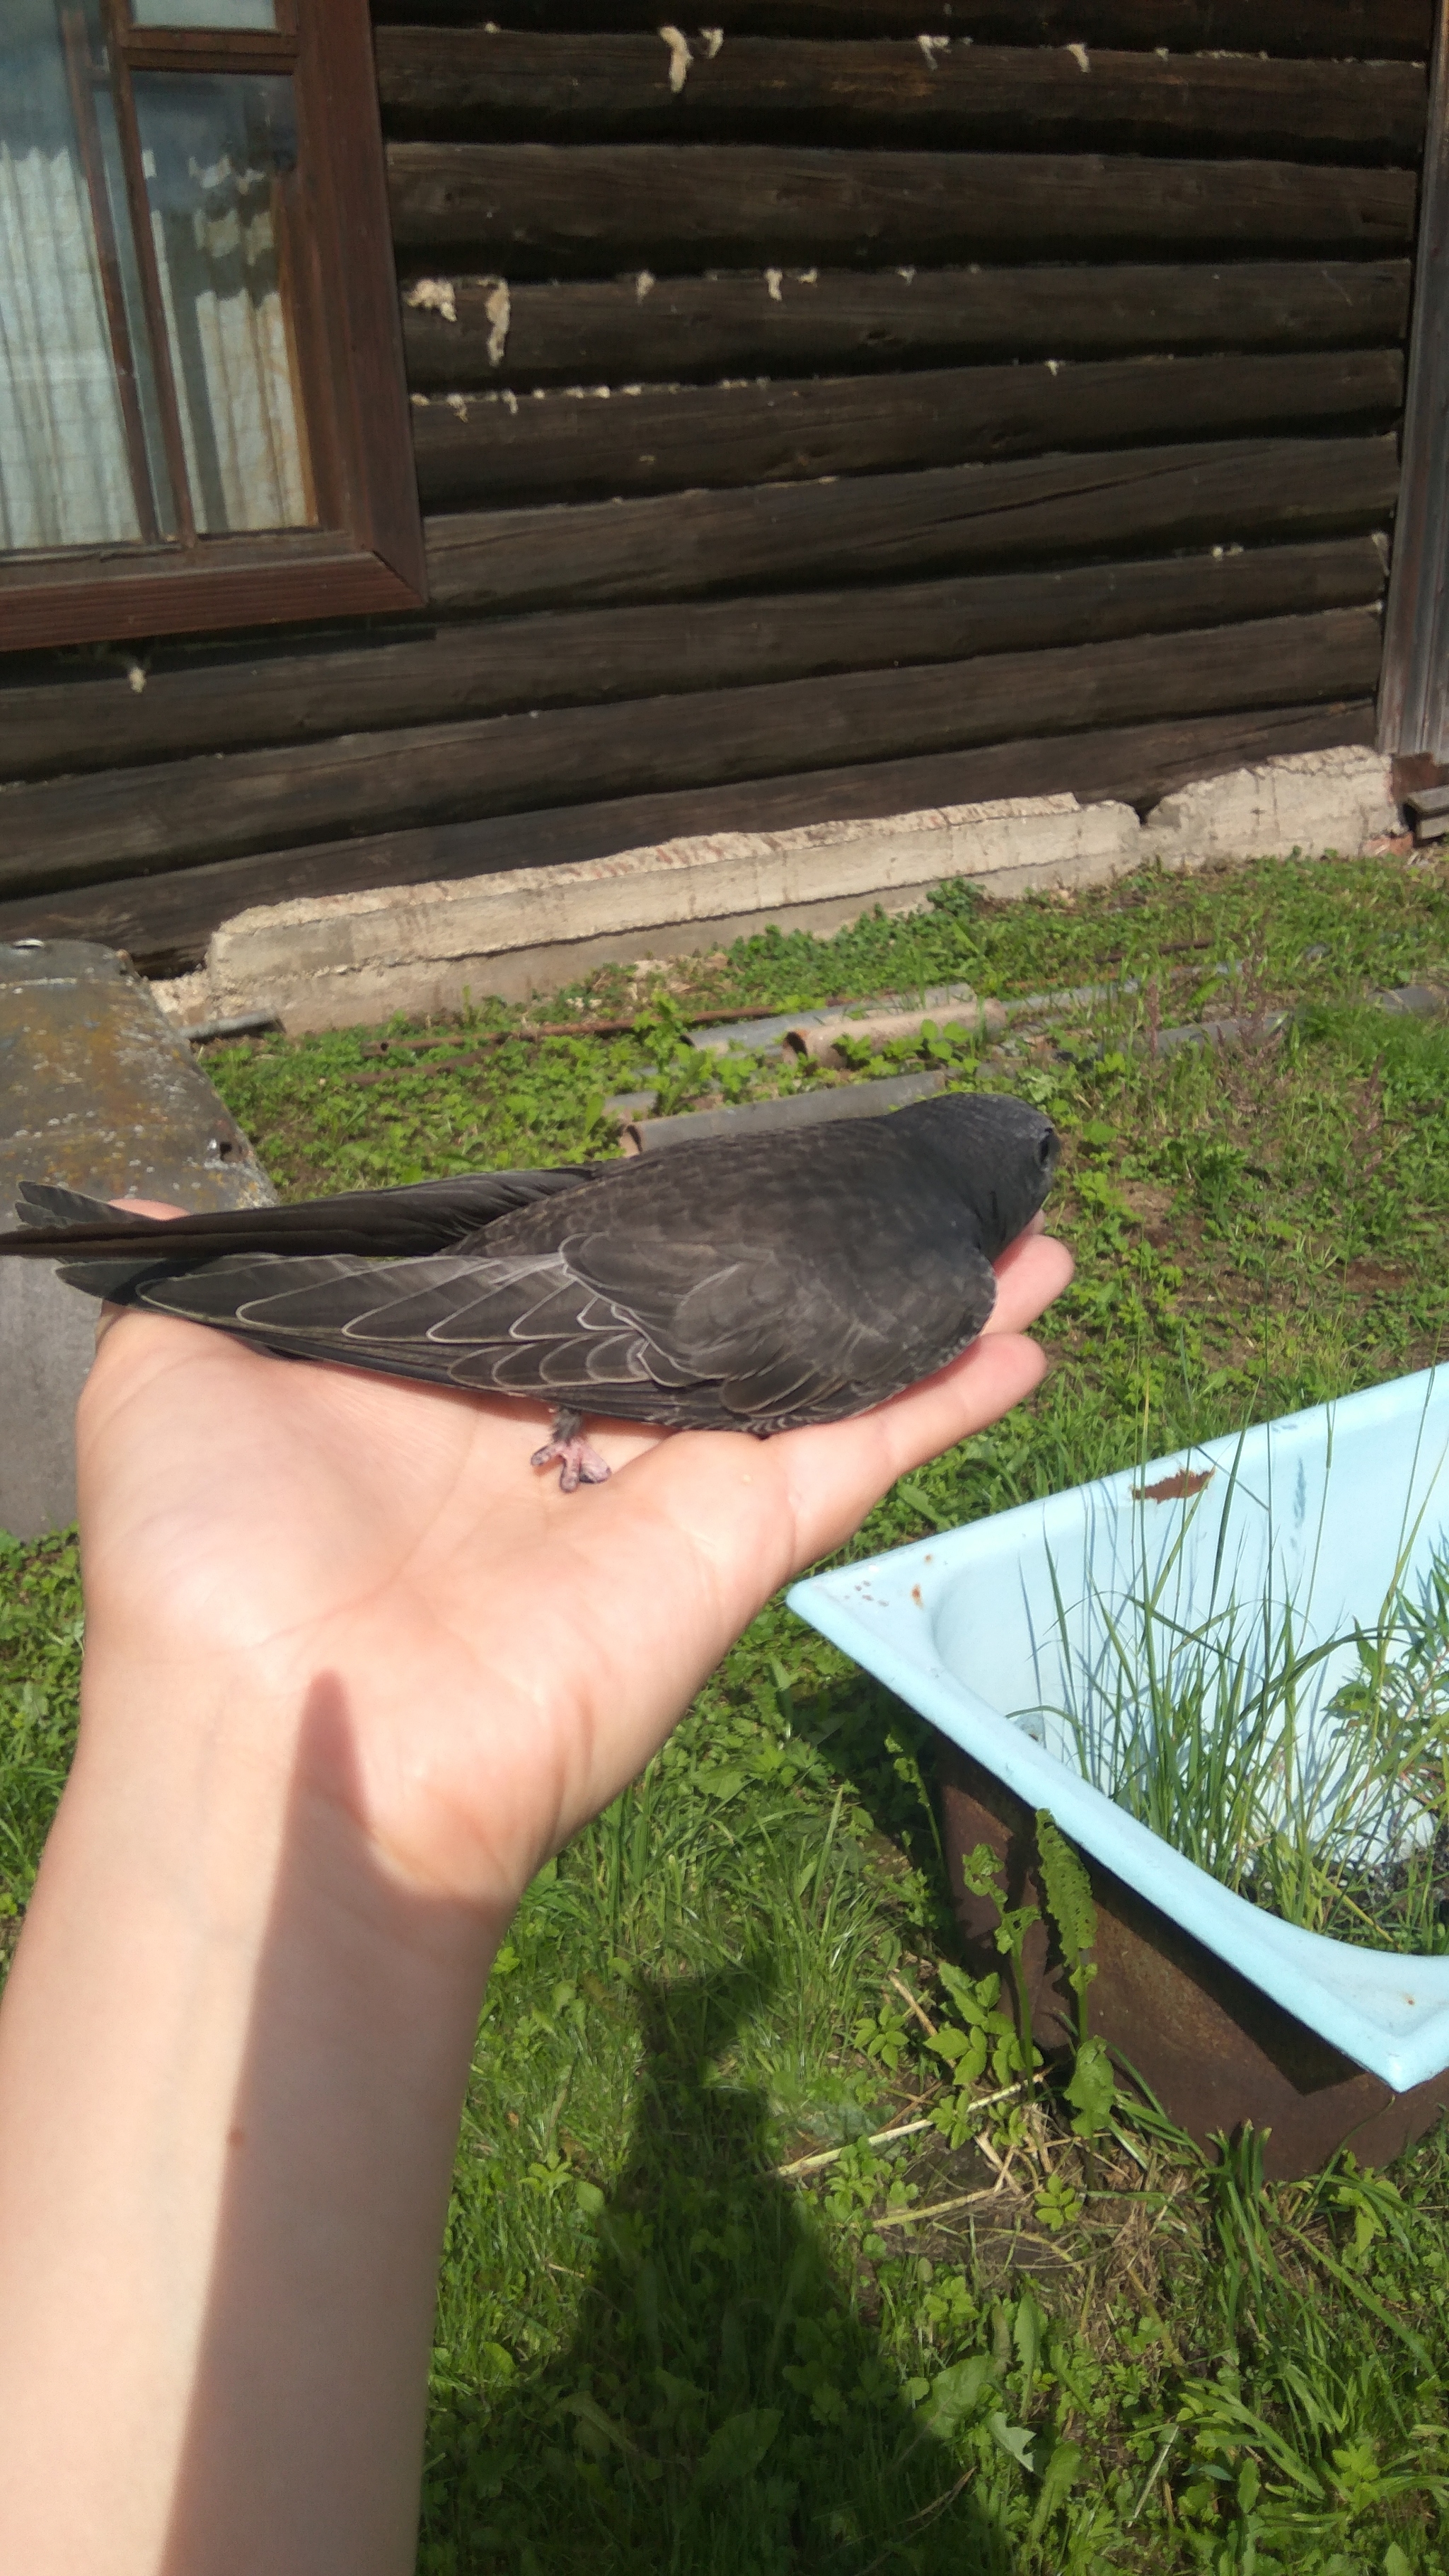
{"x":754,"y":1283}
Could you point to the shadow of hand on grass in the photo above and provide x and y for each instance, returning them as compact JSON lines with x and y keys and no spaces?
{"x":725,"y":2407}
{"x":887,"y":1755}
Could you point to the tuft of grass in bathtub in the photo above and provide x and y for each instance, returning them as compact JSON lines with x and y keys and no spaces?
{"x":1309,"y":1774}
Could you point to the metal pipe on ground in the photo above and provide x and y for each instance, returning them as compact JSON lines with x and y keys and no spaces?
{"x":798,"y":1109}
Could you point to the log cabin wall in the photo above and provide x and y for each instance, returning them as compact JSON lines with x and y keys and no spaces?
{"x":858,"y":406}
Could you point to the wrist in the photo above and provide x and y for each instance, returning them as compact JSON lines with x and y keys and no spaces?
{"x":231,"y":2062}
{"x":229,"y":1776}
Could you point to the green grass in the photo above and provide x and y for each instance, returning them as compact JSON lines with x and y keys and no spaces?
{"x":656,"y":2349}
{"x":1323,"y":1797}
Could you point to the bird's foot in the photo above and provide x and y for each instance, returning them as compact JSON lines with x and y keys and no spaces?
{"x":578,"y":1463}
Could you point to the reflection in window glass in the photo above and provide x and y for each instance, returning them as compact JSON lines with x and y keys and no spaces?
{"x":217,"y":149}
{"x":73,"y":466}
{"x":203,"y":13}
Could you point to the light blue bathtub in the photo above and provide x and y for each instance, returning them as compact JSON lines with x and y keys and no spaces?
{"x":989,"y":1631}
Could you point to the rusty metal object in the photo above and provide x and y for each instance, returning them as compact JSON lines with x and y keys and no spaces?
{"x":1215,"y":2050}
{"x":820,"y":1040}
{"x":99,"y":1093}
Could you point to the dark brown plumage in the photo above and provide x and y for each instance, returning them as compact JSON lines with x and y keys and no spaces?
{"x":752,"y":1283}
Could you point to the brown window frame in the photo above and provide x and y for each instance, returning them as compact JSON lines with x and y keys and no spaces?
{"x":367,"y":554}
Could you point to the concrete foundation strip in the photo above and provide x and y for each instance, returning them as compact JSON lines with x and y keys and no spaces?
{"x":337,"y":961}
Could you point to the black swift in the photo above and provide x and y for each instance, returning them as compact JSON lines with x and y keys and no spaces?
{"x":752,"y":1283}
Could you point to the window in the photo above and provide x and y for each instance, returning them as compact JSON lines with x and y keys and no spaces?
{"x":203,"y":419}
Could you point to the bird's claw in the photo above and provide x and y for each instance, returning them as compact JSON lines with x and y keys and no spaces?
{"x":578,"y":1463}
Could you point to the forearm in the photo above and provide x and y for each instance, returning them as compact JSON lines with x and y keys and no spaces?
{"x":231,"y":2058}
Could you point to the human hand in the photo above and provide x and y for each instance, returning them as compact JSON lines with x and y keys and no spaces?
{"x":352,"y":1670}
{"x":502,"y":1658}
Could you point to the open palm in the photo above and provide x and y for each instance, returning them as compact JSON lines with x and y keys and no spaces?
{"x":504,"y":1658}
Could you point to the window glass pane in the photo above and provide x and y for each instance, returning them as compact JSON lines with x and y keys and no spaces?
{"x":203,"y":13}
{"x":75,"y":390}
{"x":218,"y":149}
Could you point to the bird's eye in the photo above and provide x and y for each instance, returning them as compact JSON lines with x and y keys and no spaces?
{"x":1046,"y":1152}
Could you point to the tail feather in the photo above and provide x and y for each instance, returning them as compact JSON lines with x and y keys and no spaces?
{"x":423,"y":1217}
{"x":45,"y":1203}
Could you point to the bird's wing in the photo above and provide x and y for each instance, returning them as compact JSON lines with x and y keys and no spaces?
{"x":521,"y":1323}
{"x":524,"y":1324}
{"x":781,"y":1331}
{"x":422,"y":1217}
{"x":761,"y":1328}
{"x":682,"y":1331}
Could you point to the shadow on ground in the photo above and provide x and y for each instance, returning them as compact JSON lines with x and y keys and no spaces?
{"x":725,"y":2408}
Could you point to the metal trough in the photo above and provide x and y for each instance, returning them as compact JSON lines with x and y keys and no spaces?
{"x":1227,"y":2012}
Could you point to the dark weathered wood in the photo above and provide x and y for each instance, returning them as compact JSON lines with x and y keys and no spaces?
{"x":544,"y":207}
{"x":473,"y":85}
{"x":602,"y":331}
{"x":94,"y":719}
{"x":1367,"y":29}
{"x":1414,"y":704}
{"x":82,"y":830}
{"x":589,"y":445}
{"x":954,"y":518}
{"x":165,"y":921}
{"x":173,"y":597}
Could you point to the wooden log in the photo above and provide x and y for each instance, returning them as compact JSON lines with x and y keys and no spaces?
{"x":602,"y":331}
{"x":1376,"y":30}
{"x":165,"y":921}
{"x":950,"y":519}
{"x":590,"y":445}
{"x":1416,"y":654}
{"x":94,"y":719}
{"x":475,"y":84}
{"x":539,"y":207}
{"x":82,"y":830}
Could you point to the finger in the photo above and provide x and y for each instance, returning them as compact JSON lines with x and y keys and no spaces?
{"x":832,"y":1491}
{"x":1029,"y":1274}
{"x":995,"y":1373}
{"x":962,"y":1398}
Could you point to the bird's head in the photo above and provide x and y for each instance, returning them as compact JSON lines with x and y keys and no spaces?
{"x":1002,"y":1155}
